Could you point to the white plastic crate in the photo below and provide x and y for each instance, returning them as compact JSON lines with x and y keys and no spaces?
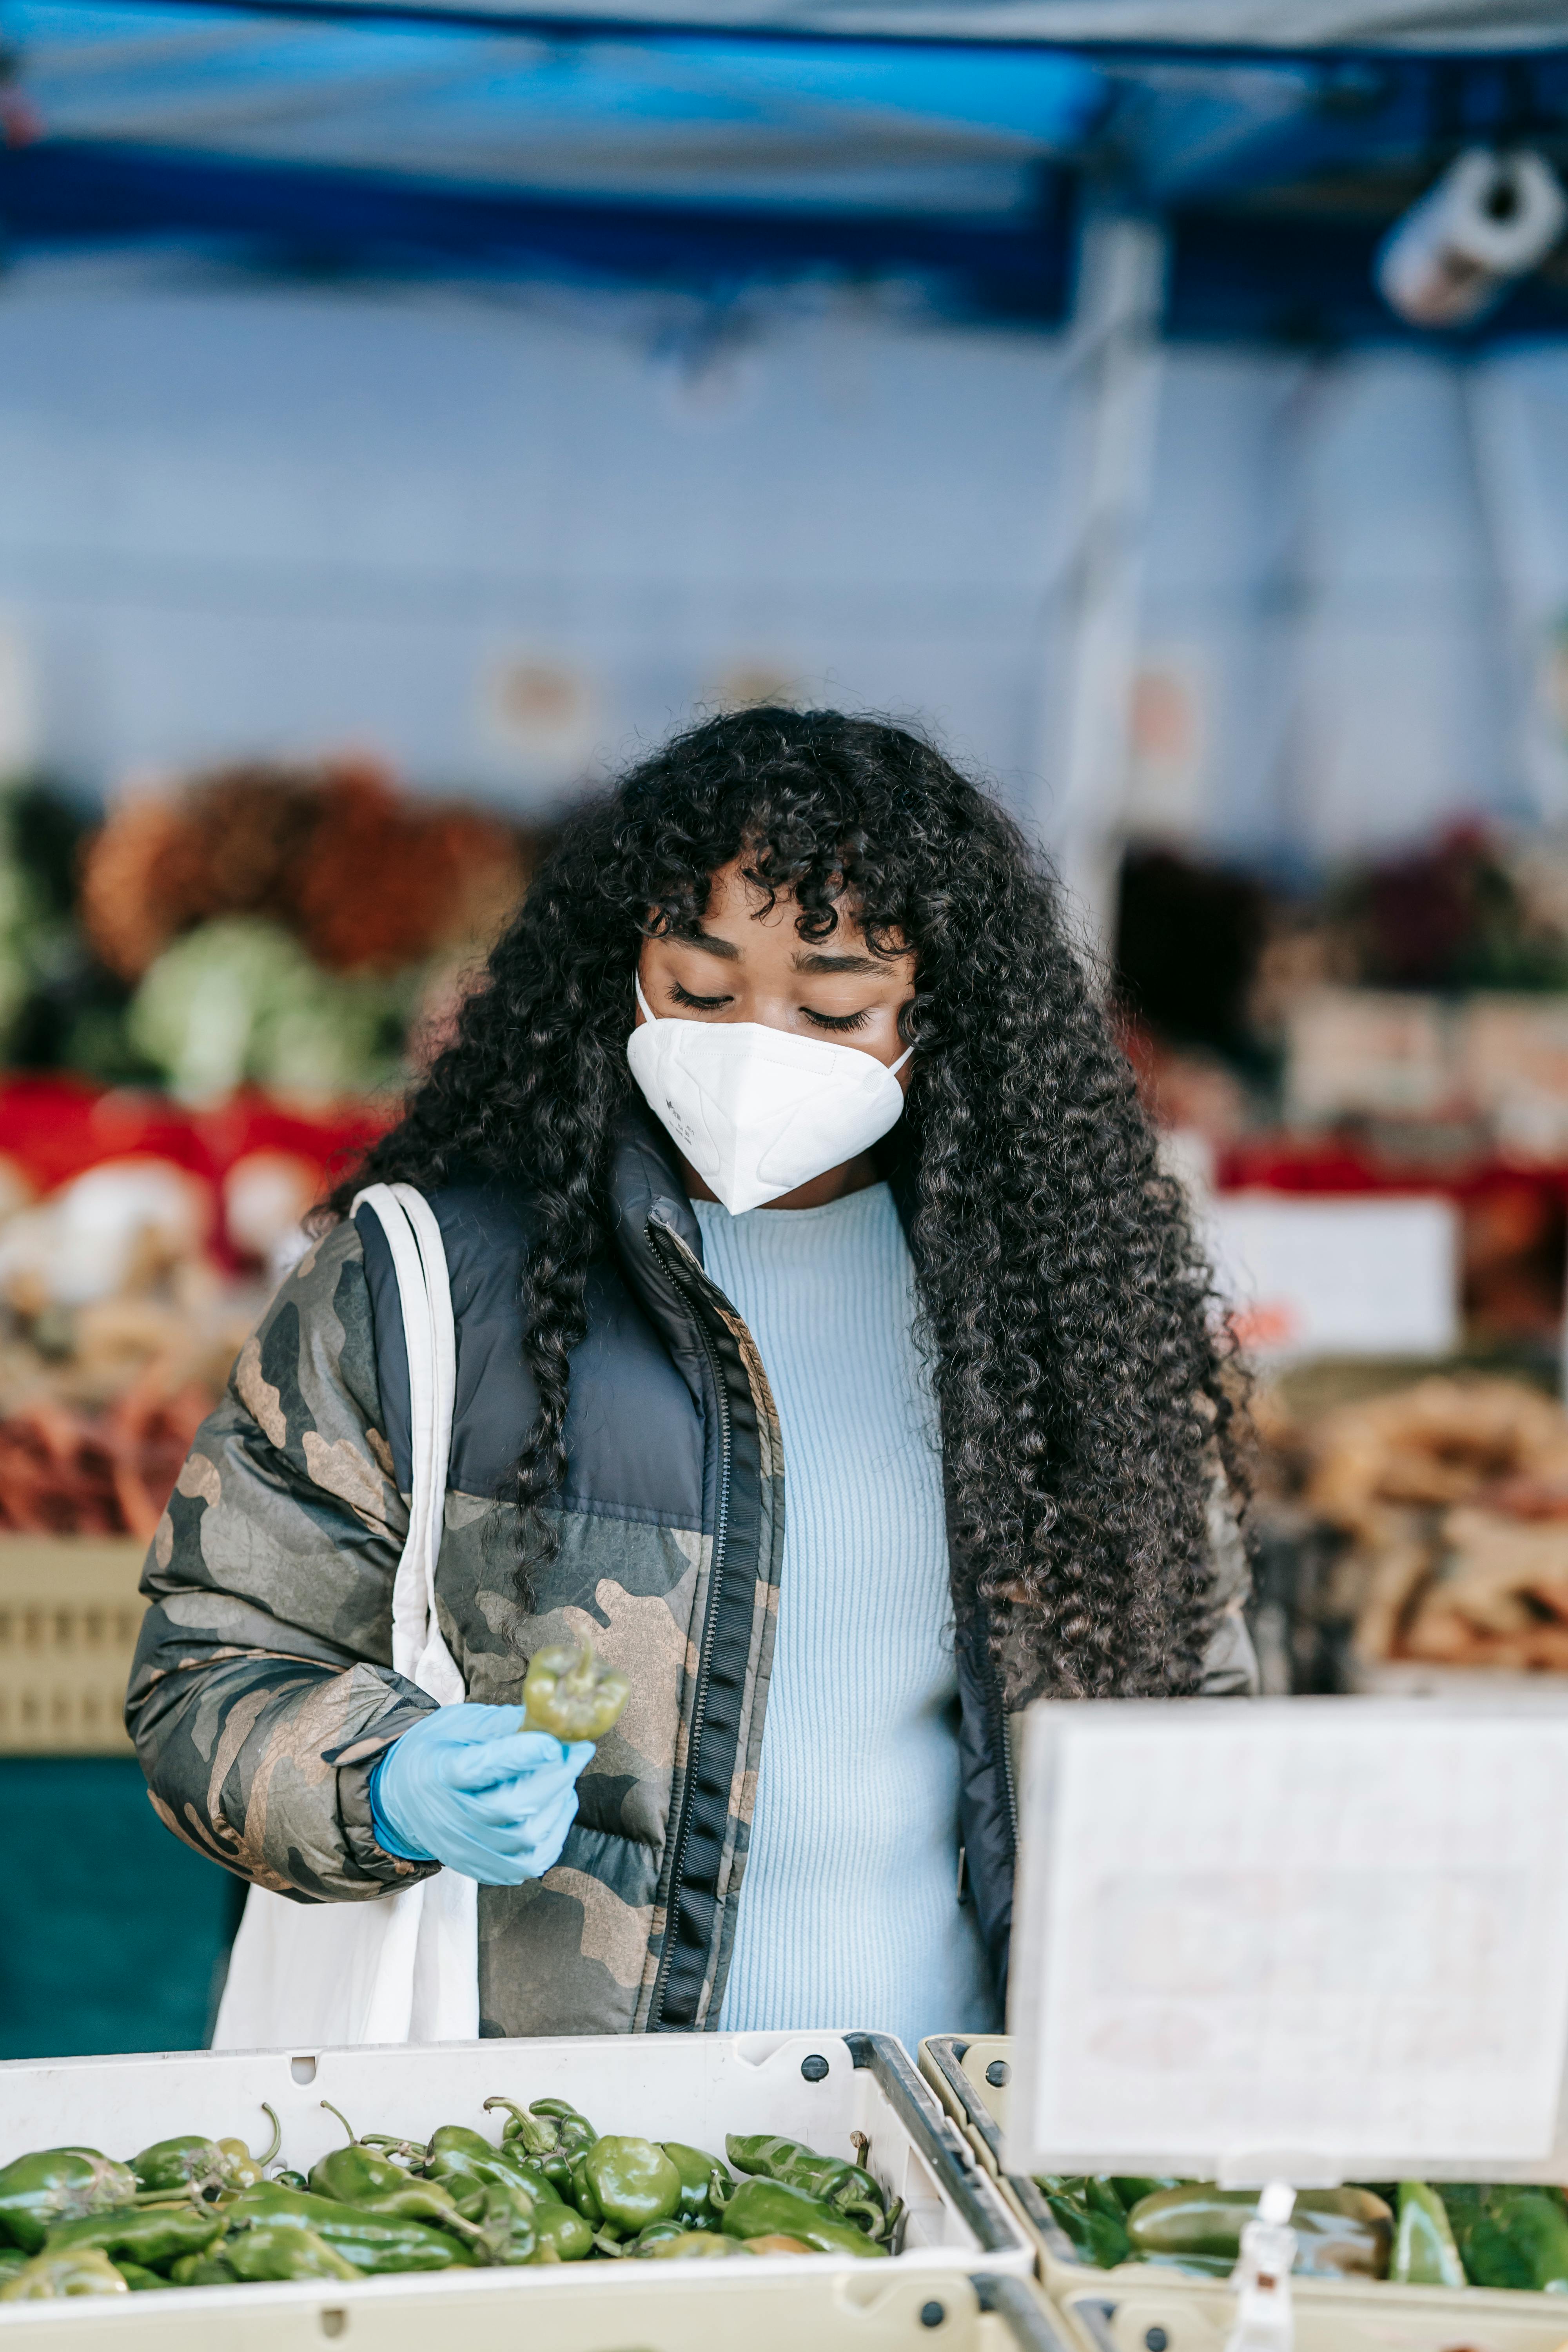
{"x":1143,"y":2303}
{"x":816,"y":2088}
{"x":761,"y":2306}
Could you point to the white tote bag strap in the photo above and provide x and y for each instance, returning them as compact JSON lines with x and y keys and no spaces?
{"x":404,"y":1968}
{"x":419,"y":1262}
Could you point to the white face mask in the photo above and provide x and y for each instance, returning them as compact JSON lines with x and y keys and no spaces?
{"x":757,"y":1111}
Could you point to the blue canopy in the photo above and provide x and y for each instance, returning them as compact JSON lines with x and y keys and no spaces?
{"x":709,"y":146}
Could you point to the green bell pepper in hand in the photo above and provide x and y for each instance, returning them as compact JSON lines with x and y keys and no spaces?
{"x":571,"y":1696}
{"x":56,"y":2184}
{"x":1425,"y":2254}
{"x":373,"y":2243}
{"x":269,"y":2251}
{"x":849,"y":2191}
{"x":152,"y":2235}
{"x":88,"y":2270}
{"x":1340,"y":2231}
{"x":631,"y":2181}
{"x":762,"y":2207}
{"x":706,"y":2187}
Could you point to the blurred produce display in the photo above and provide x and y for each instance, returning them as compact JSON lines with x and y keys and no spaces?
{"x":138,"y":1242}
{"x":226,"y":982}
{"x":1433,"y":1516}
{"x":297,"y":928}
{"x":1400,"y":1026}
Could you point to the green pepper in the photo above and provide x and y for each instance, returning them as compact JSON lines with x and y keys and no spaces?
{"x":706,"y":2187}
{"x":86,"y":2272}
{"x":1132,"y":2188}
{"x":564,"y":2236}
{"x":56,"y":2184}
{"x":663,"y":2245}
{"x":1094,"y":2236}
{"x":1339,"y":2231}
{"x":271,"y":2251}
{"x":356,"y":2175}
{"x":154,"y":2235}
{"x":139,"y":2280}
{"x":207,"y":2163}
{"x":1424,"y":2252}
{"x":544,"y":2143}
{"x":203,"y":2270}
{"x":570,"y":1695}
{"x":463,"y":2161}
{"x":286,"y":2178}
{"x":583,"y":2195}
{"x":850,"y":2191}
{"x":373,"y":2243}
{"x":504,"y":2225}
{"x":1510,"y":2236}
{"x":767,"y":2208}
{"x":632,"y":2180}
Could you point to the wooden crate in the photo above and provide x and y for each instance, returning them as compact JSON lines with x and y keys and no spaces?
{"x":69,"y":1615}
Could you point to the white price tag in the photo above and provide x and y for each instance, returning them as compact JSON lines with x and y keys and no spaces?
{"x":1312,"y":1938}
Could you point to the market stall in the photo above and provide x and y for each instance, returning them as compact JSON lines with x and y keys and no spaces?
{"x":208,"y":1024}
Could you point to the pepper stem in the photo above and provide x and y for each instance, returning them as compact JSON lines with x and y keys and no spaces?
{"x":277,"y":2135}
{"x":580,"y":1677}
{"x":538,"y":2138}
{"x":355,"y":2140}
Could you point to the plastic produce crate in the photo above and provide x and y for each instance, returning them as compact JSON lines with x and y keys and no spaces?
{"x":709,"y":2308}
{"x":1143,"y":2307}
{"x":69,"y":1615}
{"x":817,"y":2087}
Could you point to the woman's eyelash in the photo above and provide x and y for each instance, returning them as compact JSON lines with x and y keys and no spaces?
{"x":702,"y":1003}
{"x":837,"y":1020}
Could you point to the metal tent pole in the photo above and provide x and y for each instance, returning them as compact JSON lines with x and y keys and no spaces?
{"x":1085,"y":745}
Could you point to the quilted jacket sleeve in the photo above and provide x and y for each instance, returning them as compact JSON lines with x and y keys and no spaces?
{"x":263,"y":1691}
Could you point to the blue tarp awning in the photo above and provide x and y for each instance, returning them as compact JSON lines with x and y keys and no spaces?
{"x":713,"y":146}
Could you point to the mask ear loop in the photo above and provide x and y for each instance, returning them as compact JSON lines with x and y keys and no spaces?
{"x":893,"y":1068}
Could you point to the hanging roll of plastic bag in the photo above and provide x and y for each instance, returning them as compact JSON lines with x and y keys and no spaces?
{"x":1490,"y":219}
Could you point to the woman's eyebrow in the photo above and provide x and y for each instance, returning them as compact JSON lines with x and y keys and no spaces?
{"x":814,"y":960}
{"x":711,"y":944}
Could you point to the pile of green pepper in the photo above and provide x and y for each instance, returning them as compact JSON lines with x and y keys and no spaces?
{"x":1453,"y":2235}
{"x":192,"y":2211}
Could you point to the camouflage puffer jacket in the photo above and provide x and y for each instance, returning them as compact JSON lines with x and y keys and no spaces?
{"x":263,"y":1690}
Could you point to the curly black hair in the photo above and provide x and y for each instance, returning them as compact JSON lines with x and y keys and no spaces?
{"x":1085,"y":1398}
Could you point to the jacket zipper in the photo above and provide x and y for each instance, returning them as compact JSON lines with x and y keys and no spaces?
{"x":1003,"y":1750}
{"x":704,"y":1657}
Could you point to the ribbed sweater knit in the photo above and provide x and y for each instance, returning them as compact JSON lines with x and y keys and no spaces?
{"x":849,"y":1913}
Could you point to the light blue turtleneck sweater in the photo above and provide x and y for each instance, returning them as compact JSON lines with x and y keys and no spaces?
{"x":849,"y":1914}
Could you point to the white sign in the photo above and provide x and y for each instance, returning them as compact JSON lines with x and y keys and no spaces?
{"x":1301,"y":1939}
{"x":1338,"y":1277}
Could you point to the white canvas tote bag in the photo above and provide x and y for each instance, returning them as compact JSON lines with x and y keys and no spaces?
{"x":397,"y":1967}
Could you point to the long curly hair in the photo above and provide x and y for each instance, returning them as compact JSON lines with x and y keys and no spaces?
{"x":1085,"y":1399}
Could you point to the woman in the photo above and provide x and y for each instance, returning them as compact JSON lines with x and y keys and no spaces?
{"x":797,"y":962}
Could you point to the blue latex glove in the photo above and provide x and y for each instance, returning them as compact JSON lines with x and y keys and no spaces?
{"x":465,"y":1786}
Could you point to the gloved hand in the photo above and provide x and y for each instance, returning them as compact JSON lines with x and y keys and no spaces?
{"x":465,"y":1786}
